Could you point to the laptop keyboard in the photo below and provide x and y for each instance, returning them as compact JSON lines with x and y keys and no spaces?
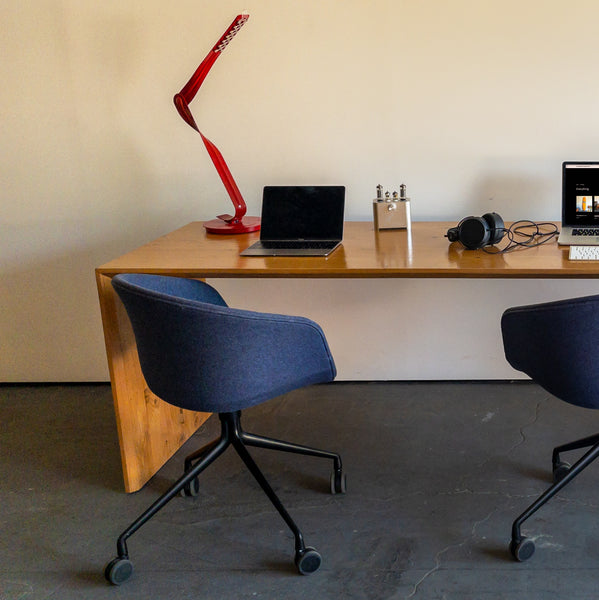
{"x":297,"y":244}
{"x":585,"y":231}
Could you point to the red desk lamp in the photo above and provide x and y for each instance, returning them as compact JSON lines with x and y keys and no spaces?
{"x":223,"y":223}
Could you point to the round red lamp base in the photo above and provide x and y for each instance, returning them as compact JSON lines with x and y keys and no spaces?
{"x":246,"y":225}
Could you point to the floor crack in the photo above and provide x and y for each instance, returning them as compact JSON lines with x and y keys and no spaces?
{"x":445,"y":550}
{"x":527,"y":425}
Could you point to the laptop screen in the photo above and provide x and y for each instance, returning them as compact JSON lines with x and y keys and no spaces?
{"x":580,"y":189}
{"x":302,"y":213}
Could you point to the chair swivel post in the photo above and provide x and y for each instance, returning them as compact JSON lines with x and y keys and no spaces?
{"x":307,"y":559}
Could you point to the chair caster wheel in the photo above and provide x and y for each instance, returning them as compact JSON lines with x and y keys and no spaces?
{"x":560,"y":470}
{"x":308,"y":561}
{"x":523,"y":549}
{"x":118,"y":570}
{"x":192,"y":489}
{"x":338,"y":483}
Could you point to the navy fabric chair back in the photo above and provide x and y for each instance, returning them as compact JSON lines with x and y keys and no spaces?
{"x":197,"y":353}
{"x":557,"y":345}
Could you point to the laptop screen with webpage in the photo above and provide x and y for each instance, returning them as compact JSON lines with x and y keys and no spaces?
{"x":580,"y":194}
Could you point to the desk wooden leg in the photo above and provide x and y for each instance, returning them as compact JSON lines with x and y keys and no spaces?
{"x":150,"y":430}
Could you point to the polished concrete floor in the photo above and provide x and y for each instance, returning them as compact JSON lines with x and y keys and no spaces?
{"x":436,"y":474}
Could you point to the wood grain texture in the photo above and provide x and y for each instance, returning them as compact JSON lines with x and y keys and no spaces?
{"x":423,"y":252}
{"x":150,"y":431}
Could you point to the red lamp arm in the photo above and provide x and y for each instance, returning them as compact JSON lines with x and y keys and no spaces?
{"x":182,"y":101}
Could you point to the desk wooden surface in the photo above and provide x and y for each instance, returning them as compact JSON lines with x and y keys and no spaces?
{"x":150,"y":431}
{"x":425,"y":252}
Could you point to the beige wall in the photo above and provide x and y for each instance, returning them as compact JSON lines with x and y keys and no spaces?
{"x":472,"y":104}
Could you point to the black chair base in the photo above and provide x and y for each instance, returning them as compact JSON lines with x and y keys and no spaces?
{"x":521,"y":547}
{"x":307,"y":559}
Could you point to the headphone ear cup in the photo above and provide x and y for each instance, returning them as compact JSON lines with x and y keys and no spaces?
{"x":453,"y":234}
{"x":496,"y":227}
{"x":474,"y":232}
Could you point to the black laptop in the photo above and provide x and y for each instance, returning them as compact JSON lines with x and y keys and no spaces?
{"x":300,"y":221}
{"x":580,"y":204}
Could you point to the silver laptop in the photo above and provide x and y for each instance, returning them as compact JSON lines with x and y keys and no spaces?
{"x":300,"y":221}
{"x":580,"y":204}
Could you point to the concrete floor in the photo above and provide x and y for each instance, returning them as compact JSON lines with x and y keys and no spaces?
{"x":436,"y":474}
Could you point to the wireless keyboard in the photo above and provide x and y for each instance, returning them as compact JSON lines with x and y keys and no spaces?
{"x":584,"y":253}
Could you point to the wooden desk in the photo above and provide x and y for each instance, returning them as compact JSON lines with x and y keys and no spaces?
{"x":150,"y":431}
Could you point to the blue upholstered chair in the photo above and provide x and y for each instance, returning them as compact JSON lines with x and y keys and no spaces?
{"x":197,"y":353}
{"x":555,"y":343}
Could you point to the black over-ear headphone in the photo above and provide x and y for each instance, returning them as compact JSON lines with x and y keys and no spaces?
{"x":478,"y":232}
